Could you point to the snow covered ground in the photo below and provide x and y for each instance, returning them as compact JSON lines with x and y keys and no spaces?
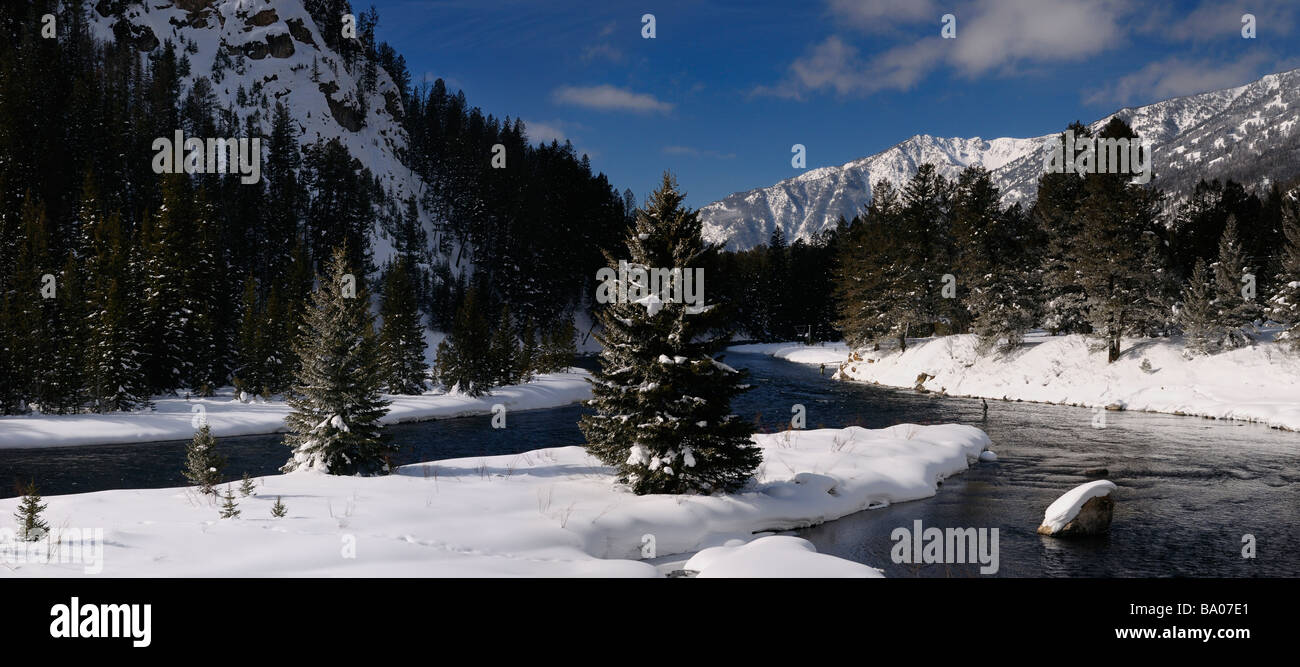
{"x":176,"y":418}
{"x":774,"y":556}
{"x":822,"y":353}
{"x":549,"y":512}
{"x":1259,"y":383}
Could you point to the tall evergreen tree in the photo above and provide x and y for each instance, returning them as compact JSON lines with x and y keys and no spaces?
{"x":205,"y":298}
{"x":66,"y":367}
{"x":287,"y":310}
{"x":1113,"y":255}
{"x":1202,"y":331}
{"x":114,"y":375}
{"x":558,"y":348}
{"x":928,"y":250}
{"x":995,"y":273}
{"x":776,"y":286}
{"x":339,"y":214}
{"x":286,"y":198}
{"x":401,"y":336}
{"x":1284,"y":306}
{"x":662,"y":402}
{"x":464,"y":355}
{"x":1233,"y":310}
{"x":1054,"y":212}
{"x":31,"y":311}
{"x":276,"y":342}
{"x":503,"y":350}
{"x":527,"y":360}
{"x":875,"y":284}
{"x":336,"y":402}
{"x":250,"y":375}
{"x":163,"y":270}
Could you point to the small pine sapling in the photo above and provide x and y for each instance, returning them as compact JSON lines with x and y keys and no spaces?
{"x":202,"y":463}
{"x":247,"y":487}
{"x":31,"y":527}
{"x":228,"y":509}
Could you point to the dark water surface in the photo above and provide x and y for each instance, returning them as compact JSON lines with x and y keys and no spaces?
{"x":1189,"y":488}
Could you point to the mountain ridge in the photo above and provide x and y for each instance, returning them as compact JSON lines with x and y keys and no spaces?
{"x":805,"y":205}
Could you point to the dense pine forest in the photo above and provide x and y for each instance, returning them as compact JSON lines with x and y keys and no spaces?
{"x":1093,"y":255}
{"x":117,"y":283}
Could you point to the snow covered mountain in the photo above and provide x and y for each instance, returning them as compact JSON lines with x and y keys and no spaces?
{"x":1246,"y":133}
{"x":257,"y":53}
{"x":805,"y":205}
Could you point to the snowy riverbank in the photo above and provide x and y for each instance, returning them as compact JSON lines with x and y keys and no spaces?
{"x":549,"y":512}
{"x":821,"y":353}
{"x":1259,"y":383}
{"x":174,"y":418}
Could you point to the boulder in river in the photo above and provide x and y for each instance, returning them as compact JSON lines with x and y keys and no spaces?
{"x":1084,"y":510}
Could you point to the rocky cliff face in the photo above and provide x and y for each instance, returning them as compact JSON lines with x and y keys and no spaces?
{"x":273,"y":52}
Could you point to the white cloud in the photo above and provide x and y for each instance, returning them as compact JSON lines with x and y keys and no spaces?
{"x":450,"y":82}
{"x":602,"y":51}
{"x":696,"y":152}
{"x":1175,"y":77}
{"x":545,"y":131}
{"x":836,"y":65}
{"x":609,"y":98}
{"x":1219,"y":19}
{"x":541,"y":132}
{"x":1001,"y":33}
{"x":883,"y":15}
{"x":992,"y":36}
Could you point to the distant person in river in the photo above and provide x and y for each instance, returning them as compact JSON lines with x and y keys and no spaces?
{"x":986,"y":409}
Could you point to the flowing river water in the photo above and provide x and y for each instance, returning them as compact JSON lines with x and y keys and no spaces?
{"x":1189,"y":489}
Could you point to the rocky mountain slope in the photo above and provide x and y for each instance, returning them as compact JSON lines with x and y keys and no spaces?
{"x":257,"y":53}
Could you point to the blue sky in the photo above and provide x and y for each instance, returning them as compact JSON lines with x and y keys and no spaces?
{"x":725,"y":88}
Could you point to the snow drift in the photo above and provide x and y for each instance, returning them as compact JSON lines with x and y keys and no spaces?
{"x":548,"y":512}
{"x":176,"y":418}
{"x":1259,"y":383}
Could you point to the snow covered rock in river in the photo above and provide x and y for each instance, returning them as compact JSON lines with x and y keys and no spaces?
{"x":774,"y":556}
{"x":1084,"y":510}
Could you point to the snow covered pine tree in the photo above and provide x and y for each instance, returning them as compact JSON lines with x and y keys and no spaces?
{"x":662,"y":402}
{"x":1285,"y":304}
{"x":336,"y":401}
{"x":202,"y":462}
